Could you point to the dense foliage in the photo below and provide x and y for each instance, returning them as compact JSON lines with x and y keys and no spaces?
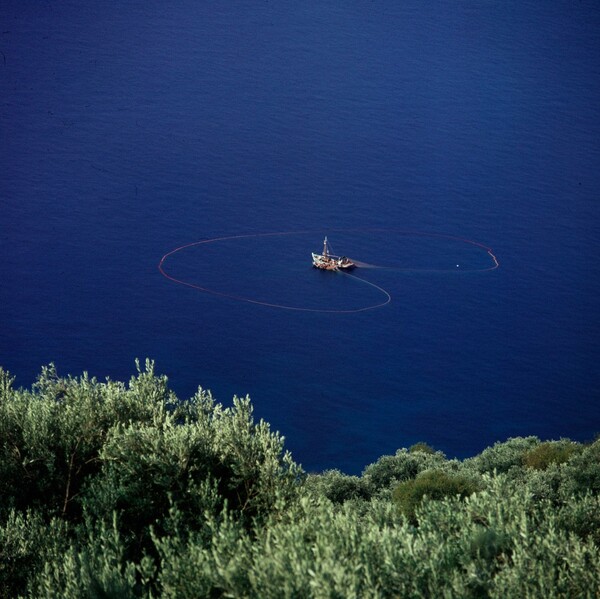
{"x":114,"y":490}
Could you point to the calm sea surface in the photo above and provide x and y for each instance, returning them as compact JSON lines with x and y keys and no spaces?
{"x":131,"y":129}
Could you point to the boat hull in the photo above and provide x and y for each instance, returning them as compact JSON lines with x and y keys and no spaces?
{"x":332,"y":262}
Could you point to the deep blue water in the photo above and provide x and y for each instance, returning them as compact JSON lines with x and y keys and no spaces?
{"x":130,"y":129}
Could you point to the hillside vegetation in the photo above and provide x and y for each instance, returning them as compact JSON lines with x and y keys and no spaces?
{"x":121,"y":490}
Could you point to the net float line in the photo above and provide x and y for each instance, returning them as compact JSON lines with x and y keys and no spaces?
{"x":488,"y":250}
{"x":387,"y":300}
{"x":239,"y":298}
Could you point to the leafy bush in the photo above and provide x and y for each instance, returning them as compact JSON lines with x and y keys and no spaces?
{"x":312,"y":552}
{"x":50,"y":439}
{"x":78,"y":449}
{"x":337,"y":487}
{"x":26,"y":541}
{"x":422,"y":447}
{"x":219,"y":456}
{"x":95,"y":567}
{"x":404,"y":465}
{"x":433,"y":484}
{"x":501,"y":457}
{"x":581,"y":516}
{"x":114,"y":490}
{"x":582,"y":473}
{"x":550,"y":452}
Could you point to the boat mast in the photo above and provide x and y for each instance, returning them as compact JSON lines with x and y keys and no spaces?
{"x":325,"y":253}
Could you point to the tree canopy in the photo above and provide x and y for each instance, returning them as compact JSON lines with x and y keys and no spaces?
{"x":110,"y":489}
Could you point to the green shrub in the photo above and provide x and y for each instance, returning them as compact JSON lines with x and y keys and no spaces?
{"x":502,"y":456}
{"x":582,"y":472}
{"x":544,"y":485}
{"x":26,"y":542}
{"x":550,"y":452}
{"x":388,"y":470}
{"x":581,"y":516}
{"x":114,"y":490}
{"x":218,"y":456}
{"x":95,"y":567}
{"x":145,"y":469}
{"x":311,"y":551}
{"x":50,"y":438}
{"x":421,"y":447}
{"x":337,"y":487}
{"x":547,"y":562}
{"x":489,"y":544}
{"x":433,"y":484}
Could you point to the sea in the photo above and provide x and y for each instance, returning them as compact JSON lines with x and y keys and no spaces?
{"x":451,"y":148}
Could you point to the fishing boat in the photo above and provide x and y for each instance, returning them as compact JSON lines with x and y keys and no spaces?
{"x":328,"y":261}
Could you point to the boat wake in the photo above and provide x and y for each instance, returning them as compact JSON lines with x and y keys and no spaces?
{"x":363,"y":265}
